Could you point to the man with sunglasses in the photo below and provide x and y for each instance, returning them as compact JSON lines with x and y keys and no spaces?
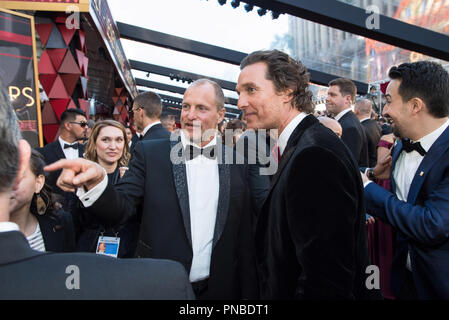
{"x":72,"y":128}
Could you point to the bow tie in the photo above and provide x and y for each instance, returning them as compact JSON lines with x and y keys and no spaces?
{"x":74,"y":146}
{"x":409,"y":146}
{"x":191,"y":152}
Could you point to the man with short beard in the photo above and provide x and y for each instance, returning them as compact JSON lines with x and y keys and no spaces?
{"x":418,"y":204}
{"x":306,"y":248}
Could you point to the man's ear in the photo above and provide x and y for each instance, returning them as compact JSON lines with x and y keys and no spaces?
{"x":417,"y":105}
{"x":287,"y":95}
{"x":24,"y":160}
{"x":348,"y":99}
{"x":221,"y":114}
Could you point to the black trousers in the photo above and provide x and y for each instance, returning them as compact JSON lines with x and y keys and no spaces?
{"x":408,"y":289}
{"x":200,"y":289}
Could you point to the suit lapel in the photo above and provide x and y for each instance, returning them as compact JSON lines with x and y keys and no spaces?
{"x":436,"y":151}
{"x":81,"y":148}
{"x":180,"y":179}
{"x":291,"y":147}
{"x":396,"y":152}
{"x":53,"y":240}
{"x":58,"y":150}
{"x":224,"y":173}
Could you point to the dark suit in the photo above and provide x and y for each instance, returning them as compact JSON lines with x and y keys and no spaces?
{"x":373,"y":133}
{"x":354,"y":137}
{"x":311,"y":236}
{"x":155,"y":132}
{"x":256,"y":154}
{"x":386,"y":129}
{"x":53,"y":152}
{"x":89,"y":228}
{"x":57,"y":231}
{"x":29,"y":274}
{"x":133,"y":224}
{"x":422,"y":222}
{"x":160,"y":187}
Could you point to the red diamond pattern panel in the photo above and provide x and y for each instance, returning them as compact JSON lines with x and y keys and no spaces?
{"x":59,"y":106}
{"x":50,"y":131}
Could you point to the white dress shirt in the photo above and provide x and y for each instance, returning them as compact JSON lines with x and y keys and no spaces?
{"x":148,"y":127}
{"x":8,"y":226}
{"x":203,"y":188}
{"x":341,"y":114}
{"x":364,"y":119}
{"x":285,"y":135}
{"x":69,"y":153}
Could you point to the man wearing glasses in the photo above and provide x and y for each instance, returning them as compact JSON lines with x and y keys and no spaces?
{"x":72,"y":128}
{"x":147,"y":108}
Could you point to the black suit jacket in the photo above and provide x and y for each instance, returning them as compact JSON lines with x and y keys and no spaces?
{"x":310,"y":237}
{"x":354,"y":137}
{"x":373,"y":133}
{"x":256,"y":154}
{"x":160,"y":187}
{"x":29,"y":274}
{"x":57,"y":231}
{"x":52,"y":152}
{"x":156,"y":132}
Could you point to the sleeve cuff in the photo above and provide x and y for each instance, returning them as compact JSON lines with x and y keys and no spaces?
{"x":366,"y":183}
{"x":88,"y":198}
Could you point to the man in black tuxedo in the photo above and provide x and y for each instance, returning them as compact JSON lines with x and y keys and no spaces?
{"x":363,"y":109}
{"x":72,"y":128}
{"x":147,"y":108}
{"x":340,"y":97}
{"x":306,"y":248}
{"x":196,"y":206}
{"x":29,"y":274}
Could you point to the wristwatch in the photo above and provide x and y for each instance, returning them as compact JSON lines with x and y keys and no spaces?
{"x":370,"y":174}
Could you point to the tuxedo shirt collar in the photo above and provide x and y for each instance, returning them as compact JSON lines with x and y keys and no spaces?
{"x":8,"y":226}
{"x":342,"y":113}
{"x":62,"y":142}
{"x":285,"y":135}
{"x":364,"y":119}
{"x":428,"y":140}
{"x":148,"y":127}
{"x":186,"y":141}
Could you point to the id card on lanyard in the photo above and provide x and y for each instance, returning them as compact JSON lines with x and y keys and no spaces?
{"x":108,"y":246}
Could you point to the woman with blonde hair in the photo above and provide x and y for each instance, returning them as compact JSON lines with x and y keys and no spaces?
{"x":108,"y":146}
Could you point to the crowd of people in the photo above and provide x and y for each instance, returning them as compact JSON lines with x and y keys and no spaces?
{"x":161,"y":212}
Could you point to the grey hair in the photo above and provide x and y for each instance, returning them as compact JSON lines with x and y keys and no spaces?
{"x":9,"y":140}
{"x":219,"y":95}
{"x":364,"y":106}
